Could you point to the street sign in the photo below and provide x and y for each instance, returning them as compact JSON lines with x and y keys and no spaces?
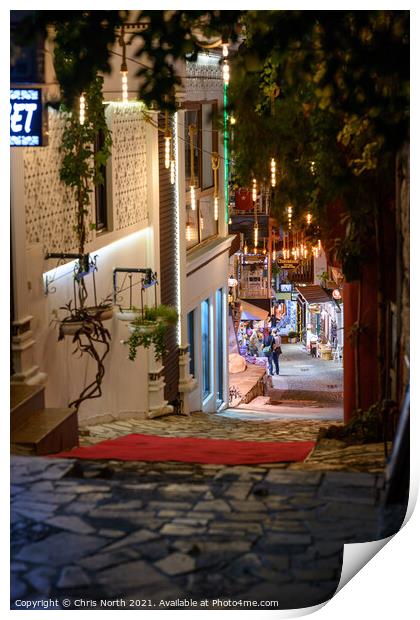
{"x":26,"y":117}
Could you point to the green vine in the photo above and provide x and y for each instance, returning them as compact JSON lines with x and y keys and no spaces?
{"x":151,"y":328}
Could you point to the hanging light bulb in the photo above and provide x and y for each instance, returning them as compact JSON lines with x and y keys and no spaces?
{"x":245,"y":249}
{"x":230,"y":220}
{"x":172,"y":171}
{"x":226,"y":72}
{"x":167,"y":142}
{"x":167,"y":151}
{"x":256,"y":234}
{"x":192,"y":198}
{"x":192,"y":130}
{"x":274,"y":254}
{"x":82,"y":109}
{"x":188,"y":234}
{"x":308,"y":218}
{"x":225,"y":50}
{"x":215,"y":163}
{"x":123,"y":70}
{"x":254,"y":189}
{"x":124,"y":86}
{"x":216,"y":207}
{"x":273,"y":172}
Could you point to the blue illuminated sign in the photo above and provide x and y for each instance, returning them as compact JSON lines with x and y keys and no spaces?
{"x":26,"y":117}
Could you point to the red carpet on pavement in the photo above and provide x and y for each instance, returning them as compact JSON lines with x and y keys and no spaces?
{"x":138,"y":447}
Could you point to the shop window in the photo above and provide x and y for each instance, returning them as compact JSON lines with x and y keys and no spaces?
{"x":205,"y":347}
{"x":201,"y":223}
{"x":191,"y":340}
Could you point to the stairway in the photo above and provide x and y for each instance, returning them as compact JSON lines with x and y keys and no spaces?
{"x":36,"y":430}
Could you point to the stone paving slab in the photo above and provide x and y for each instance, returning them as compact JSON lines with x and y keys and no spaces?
{"x":276,"y":535}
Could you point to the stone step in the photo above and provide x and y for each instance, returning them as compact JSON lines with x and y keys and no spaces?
{"x":281,"y":397}
{"x":24,"y":400}
{"x":46,"y":431}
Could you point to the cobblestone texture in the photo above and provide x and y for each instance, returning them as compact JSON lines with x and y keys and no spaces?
{"x":161,"y":531}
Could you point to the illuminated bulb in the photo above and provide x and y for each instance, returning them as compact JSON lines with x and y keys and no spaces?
{"x":254,"y":189}
{"x":189,"y":232}
{"x":245,"y":249}
{"x":230,"y":220}
{"x":172,"y":171}
{"x":274,"y":254}
{"x":82,"y":109}
{"x":273,"y":172}
{"x":193,"y":202}
{"x":216,"y":208}
{"x":232,"y":120}
{"x":225,"y":50}
{"x":319,"y":244}
{"x":305,"y":252}
{"x":308,"y":218}
{"x":226,"y":72}
{"x":255,"y":250}
{"x":255,"y":235}
{"x":313,"y":167}
{"x":167,"y":151}
{"x":124,"y":86}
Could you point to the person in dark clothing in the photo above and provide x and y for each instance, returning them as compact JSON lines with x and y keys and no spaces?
{"x":268,"y":350}
{"x":276,"y":352}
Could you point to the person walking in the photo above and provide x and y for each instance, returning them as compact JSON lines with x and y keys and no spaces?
{"x":268,"y":350}
{"x":276,"y":351}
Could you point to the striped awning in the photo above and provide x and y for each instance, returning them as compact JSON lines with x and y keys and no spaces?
{"x":249,"y":312}
{"x":314,"y":294}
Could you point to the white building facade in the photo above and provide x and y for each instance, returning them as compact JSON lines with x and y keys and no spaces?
{"x":42,"y":221}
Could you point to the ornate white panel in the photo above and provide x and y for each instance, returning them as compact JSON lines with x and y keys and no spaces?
{"x":50,"y":207}
{"x":129,"y":171}
{"x":203,"y":76}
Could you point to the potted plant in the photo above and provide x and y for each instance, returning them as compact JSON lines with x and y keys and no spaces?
{"x":292,"y":336}
{"x":150,"y":327}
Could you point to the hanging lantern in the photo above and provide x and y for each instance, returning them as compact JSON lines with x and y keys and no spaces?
{"x":193,"y":200}
{"x":188,"y":233}
{"x":123,"y":70}
{"x":226,"y":72}
{"x":215,"y":163}
{"x":273,"y":172}
{"x":192,"y":130}
{"x":167,"y":142}
{"x":254,"y":189}
{"x":82,"y":109}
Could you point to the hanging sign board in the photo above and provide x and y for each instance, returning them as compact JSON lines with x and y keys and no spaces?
{"x":26,"y":117}
{"x":287,"y":264}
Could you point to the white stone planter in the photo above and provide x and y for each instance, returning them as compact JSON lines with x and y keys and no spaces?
{"x":143,"y":329}
{"x":127,"y":315}
{"x":71,"y":327}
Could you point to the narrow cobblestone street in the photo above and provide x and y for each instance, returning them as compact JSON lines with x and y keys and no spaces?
{"x":163,"y":531}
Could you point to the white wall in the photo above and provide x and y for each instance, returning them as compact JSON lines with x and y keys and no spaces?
{"x":42,"y":206}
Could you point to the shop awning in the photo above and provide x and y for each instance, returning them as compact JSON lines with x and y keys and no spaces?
{"x":249,"y":312}
{"x":314,"y":294}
